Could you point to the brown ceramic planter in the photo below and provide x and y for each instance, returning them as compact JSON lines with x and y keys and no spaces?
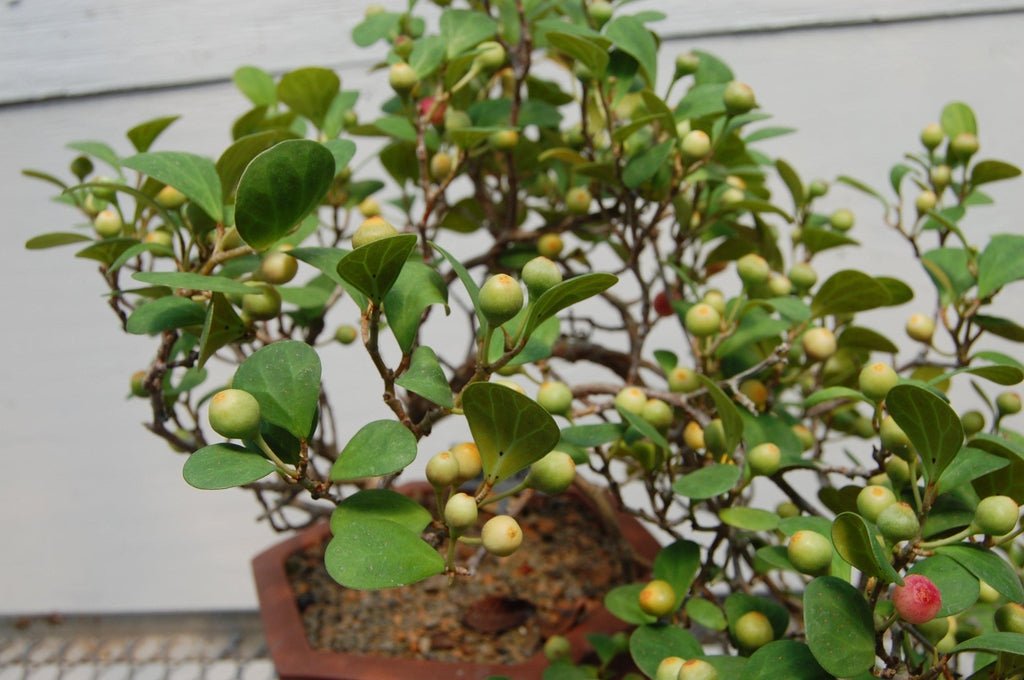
{"x":296,"y":660}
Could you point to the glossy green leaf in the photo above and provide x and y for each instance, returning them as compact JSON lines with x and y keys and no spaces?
{"x":343,"y":151}
{"x":380,"y":504}
{"x":999,"y":374}
{"x":378,"y":448}
{"x":1004,"y":328}
{"x":932,"y":426}
{"x":375,"y":27}
{"x":326,"y":260}
{"x":792,"y":181}
{"x":992,"y":171}
{"x":279,"y":188}
{"x":896,"y":175}
{"x":770,"y":557}
{"x":143,"y":135}
{"x":958,"y":117}
{"x":54,"y":239}
{"x":565,"y":294}
{"x":968,"y":465}
{"x":417,"y":287}
{"x":856,"y":542}
{"x":708,"y":482}
{"x":631,"y":36}
{"x":958,"y":587}
{"x":644,"y":428}
{"x":899,"y":292}
{"x":98,"y":150}
{"x":510,"y":429}
{"x":752,"y":330}
{"x":840,"y":628}
{"x":463,"y":30}
{"x":678,"y":563}
{"x":996,"y":643}
{"x":377,"y":553}
{"x":426,"y":378}
{"x":373,"y":268}
{"x":858,"y":337}
{"x":833,"y":393}
{"x":783,"y":659}
{"x":988,"y":567}
{"x":221,"y":327}
{"x":1008,"y":481}
{"x":592,"y":435}
{"x":701,"y":100}
{"x":705,"y":613}
{"x":427,"y":54}
{"x":107,"y":250}
{"x":1000,"y":263}
{"x":472,"y":289}
{"x":624,"y":603}
{"x":750,"y":519}
{"x":137,"y":250}
{"x":164,"y":314}
{"x":257,"y":85}
{"x":309,"y":92}
{"x":285,"y":379}
{"x":848,"y":291}
{"x":862,"y":187}
{"x":646,"y":164}
{"x":222,"y":466}
{"x":232,"y":162}
{"x":585,"y":50}
{"x":651,"y":643}
{"x":790,"y":308}
{"x":947,"y":267}
{"x":819,"y":240}
{"x":192,"y":175}
{"x":732,"y":423}
{"x":190,"y":281}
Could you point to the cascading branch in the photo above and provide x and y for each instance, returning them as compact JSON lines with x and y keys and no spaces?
{"x":536,"y":145}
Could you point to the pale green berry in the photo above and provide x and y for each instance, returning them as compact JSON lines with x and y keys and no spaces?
{"x":501,"y":535}
{"x":443,"y":469}
{"x":501,"y":298}
{"x":460,"y":512}
{"x":552,"y":474}
{"x":234,"y":414}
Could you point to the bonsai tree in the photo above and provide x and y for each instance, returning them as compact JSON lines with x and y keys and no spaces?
{"x":625,"y":286}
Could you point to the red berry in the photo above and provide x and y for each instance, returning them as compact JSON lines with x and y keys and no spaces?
{"x":661,"y":304}
{"x":918,"y":600}
{"x":431,"y":107}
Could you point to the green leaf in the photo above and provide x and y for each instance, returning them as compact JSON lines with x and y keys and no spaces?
{"x":425,"y":378}
{"x":631,"y":36}
{"x":624,"y":603}
{"x":732,"y":423}
{"x":948,"y":269}
{"x":862,"y":187}
{"x":932,"y":426}
{"x":373,"y":268}
{"x":831,"y":393}
{"x":958,"y":587}
{"x":585,"y":50}
{"x":999,"y":374}
{"x":465,"y":277}
{"x":1005,"y":482}
{"x":858,"y":337}
{"x":257,"y":85}
{"x":232,"y":162}
{"x":592,"y":435}
{"x":190,"y":281}
{"x":958,"y":117}
{"x":896,"y":175}
{"x":646,"y":164}
{"x":106,"y":251}
{"x":651,"y":643}
{"x":750,"y":519}
{"x":222,"y":466}
{"x":708,"y":482}
{"x":988,"y":567}
{"x":840,"y":627}
{"x":380,"y":504}
{"x":848,"y":291}
{"x":701,"y":100}
{"x":644,"y":428}
{"x":780,"y":659}
{"x":1004,"y":328}
{"x":143,"y":135}
{"x":309,"y":92}
{"x":285,"y":379}
{"x":378,"y":448}
{"x":164,"y":314}
{"x":279,"y":188}
{"x":792,"y":182}
{"x":192,"y":175}
{"x":139,"y":249}
{"x":996,"y":643}
{"x":378,"y":553}
{"x":463,"y":30}
{"x":678,"y":563}
{"x":856,"y":542}
{"x":417,"y":287}
{"x":968,"y":465}
{"x":750,"y":331}
{"x":375,"y":27}
{"x":790,"y":308}
{"x":98,"y":150}
{"x":326,"y":260}
{"x":221,"y":327}
{"x":565,"y":294}
{"x":1001,"y":262}
{"x":992,"y":171}
{"x":818,"y":240}
{"x":427,"y":54}
{"x":54,"y":239}
{"x":705,"y":613}
{"x":511,"y":430}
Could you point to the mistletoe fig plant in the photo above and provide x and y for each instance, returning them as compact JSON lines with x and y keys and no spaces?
{"x":589,"y":267}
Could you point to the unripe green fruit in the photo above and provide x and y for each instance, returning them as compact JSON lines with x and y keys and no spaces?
{"x":501,"y":535}
{"x":470,"y":463}
{"x":161,"y":237}
{"x":454,"y":119}
{"x":695,"y":145}
{"x":278,"y":268}
{"x":873,"y":499}
{"x":892,"y":435}
{"x":940,"y":175}
{"x":460,"y":512}
{"x":557,"y":648}
{"x":809,"y":551}
{"x":552,"y":474}
{"x":442,"y":469}
{"x":764,"y":459}
{"x":683,"y":128}
{"x":756,"y":391}
{"x":787,"y":509}
{"x":369,"y":207}
{"x":372,"y":229}
{"x":631,"y":399}
{"x":918,"y":600}
{"x":440,"y":166}
{"x":803,"y":276}
{"x":693,"y":435}
{"x":501,"y":298}
{"x":490,"y":55}
{"x":600,"y":12}
{"x":805,"y":436}
{"x":373,"y":10}
{"x":550,"y":245}
{"x":658,"y":413}
{"x":973,"y":422}
{"x":669,"y":668}
{"x":555,"y":397}
{"x":925,"y":201}
{"x":964,"y":145}
{"x":934,"y":630}
{"x":738,"y":98}
{"x":657,"y":598}
{"x":714,"y":437}
{"x":932,"y":135}
{"x":170,"y":198}
{"x":686,"y":64}
{"x":81,"y":167}
{"x":702,"y":320}
{"x":817,"y":188}
{"x":540,"y":274}
{"x":753,"y":631}
{"x":779,"y":285}
{"x":231,"y":240}
{"x":697,"y":669}
{"x":346,"y":334}
{"x":899,"y":522}
{"x":875,"y":380}
{"x":1010,"y":618}
{"x":996,"y":515}
{"x":716,"y":299}
{"x":104,"y":193}
{"x":138,"y":384}
{"x":505,"y":140}
{"x":819,"y":344}
{"x":108,"y":223}
{"x":921,"y":328}
{"x":898,"y":471}
{"x":234,"y":414}
{"x":262,"y":304}
{"x":987,"y":593}
{"x":577,"y":200}
{"x":1008,"y":403}
{"x":682,"y":379}
{"x":403,"y":45}
{"x":401,"y":77}
{"x":731,"y":197}
{"x":753,"y":269}
{"x":841,"y":220}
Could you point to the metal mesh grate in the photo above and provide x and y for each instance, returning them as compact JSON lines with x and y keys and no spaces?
{"x":188,"y":646}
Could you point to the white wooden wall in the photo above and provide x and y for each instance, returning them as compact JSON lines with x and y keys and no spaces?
{"x":95,"y":515}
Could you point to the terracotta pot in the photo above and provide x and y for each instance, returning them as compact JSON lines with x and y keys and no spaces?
{"x":296,"y":660}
